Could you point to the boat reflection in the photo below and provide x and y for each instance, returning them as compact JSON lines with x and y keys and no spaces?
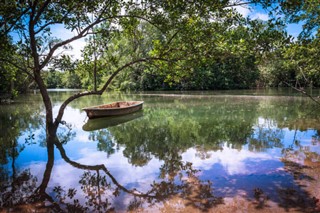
{"x":102,"y":123}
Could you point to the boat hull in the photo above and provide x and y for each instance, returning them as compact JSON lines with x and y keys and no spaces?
{"x":113,"y":109}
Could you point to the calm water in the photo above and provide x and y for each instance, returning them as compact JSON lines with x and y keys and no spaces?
{"x":194,"y":151}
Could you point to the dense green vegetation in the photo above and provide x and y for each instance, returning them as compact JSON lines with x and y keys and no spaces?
{"x":208,"y":56}
{"x":199,"y":53}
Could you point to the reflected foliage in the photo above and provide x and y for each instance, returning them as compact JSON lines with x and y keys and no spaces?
{"x":16,"y":190}
{"x":303,"y":163}
{"x":16,"y":119}
{"x":105,"y":141}
{"x":100,"y":187}
{"x":169,"y":128}
{"x":178,"y":124}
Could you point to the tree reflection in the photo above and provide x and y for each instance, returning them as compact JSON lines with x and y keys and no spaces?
{"x":304,"y":166}
{"x":98,"y":186}
{"x":164,"y":131}
{"x":17,"y":188}
{"x":105,"y":141}
{"x":93,"y":186}
{"x":266,"y":137}
{"x":178,"y":179}
{"x":166,"y":134}
{"x":16,"y":184}
{"x":14,"y":121}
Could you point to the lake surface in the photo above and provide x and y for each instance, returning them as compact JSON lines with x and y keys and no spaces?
{"x":221,"y":151}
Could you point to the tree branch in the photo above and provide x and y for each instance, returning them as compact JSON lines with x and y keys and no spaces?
{"x":100,"y":92}
{"x":303,"y":92}
{"x":17,"y":66}
{"x":97,"y":168}
{"x":60,"y":21}
{"x":46,"y":25}
{"x":41,"y":10}
{"x":84,"y":32}
{"x":6,"y":31}
{"x":81,"y":34}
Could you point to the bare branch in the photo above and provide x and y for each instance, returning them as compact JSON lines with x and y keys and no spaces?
{"x":303,"y":92}
{"x":81,"y":34}
{"x":46,"y":25}
{"x":54,"y":22}
{"x":60,"y":44}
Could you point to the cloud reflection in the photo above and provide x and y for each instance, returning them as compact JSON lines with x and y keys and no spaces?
{"x":233,"y":161}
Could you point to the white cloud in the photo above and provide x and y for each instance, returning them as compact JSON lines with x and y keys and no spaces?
{"x":261,"y":16}
{"x":77,"y":46}
{"x":62,"y":33}
{"x":73,"y":116}
{"x":243,"y":10}
{"x":119,"y":166}
{"x":233,"y":161}
{"x":246,"y":10}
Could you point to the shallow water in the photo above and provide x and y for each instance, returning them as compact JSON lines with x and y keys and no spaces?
{"x":190,"y":151}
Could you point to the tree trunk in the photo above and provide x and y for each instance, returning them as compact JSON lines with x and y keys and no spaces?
{"x":12,"y":88}
{"x":49,"y":166}
{"x":95,"y":73}
{"x":51,"y":129}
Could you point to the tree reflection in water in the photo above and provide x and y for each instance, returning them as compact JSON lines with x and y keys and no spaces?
{"x":304,"y":166}
{"x":98,"y":186}
{"x":180,"y":184}
{"x":179,"y":180}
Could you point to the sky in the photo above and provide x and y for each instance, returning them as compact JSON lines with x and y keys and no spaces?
{"x":256,"y":12}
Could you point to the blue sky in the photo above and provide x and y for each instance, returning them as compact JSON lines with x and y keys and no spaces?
{"x":256,"y":12}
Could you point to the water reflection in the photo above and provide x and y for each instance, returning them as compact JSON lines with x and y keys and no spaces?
{"x":188,"y":153}
{"x":102,"y":123}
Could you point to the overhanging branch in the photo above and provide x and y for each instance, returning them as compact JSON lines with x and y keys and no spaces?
{"x":101,"y":167}
{"x":105,"y":86}
{"x":17,"y":66}
{"x":303,"y":92}
{"x":81,"y":34}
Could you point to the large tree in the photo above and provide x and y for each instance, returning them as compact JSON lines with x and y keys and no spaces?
{"x":31,"y":24}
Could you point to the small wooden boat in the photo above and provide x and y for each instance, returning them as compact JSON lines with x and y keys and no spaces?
{"x":106,"y":122}
{"x":113,"y":109}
